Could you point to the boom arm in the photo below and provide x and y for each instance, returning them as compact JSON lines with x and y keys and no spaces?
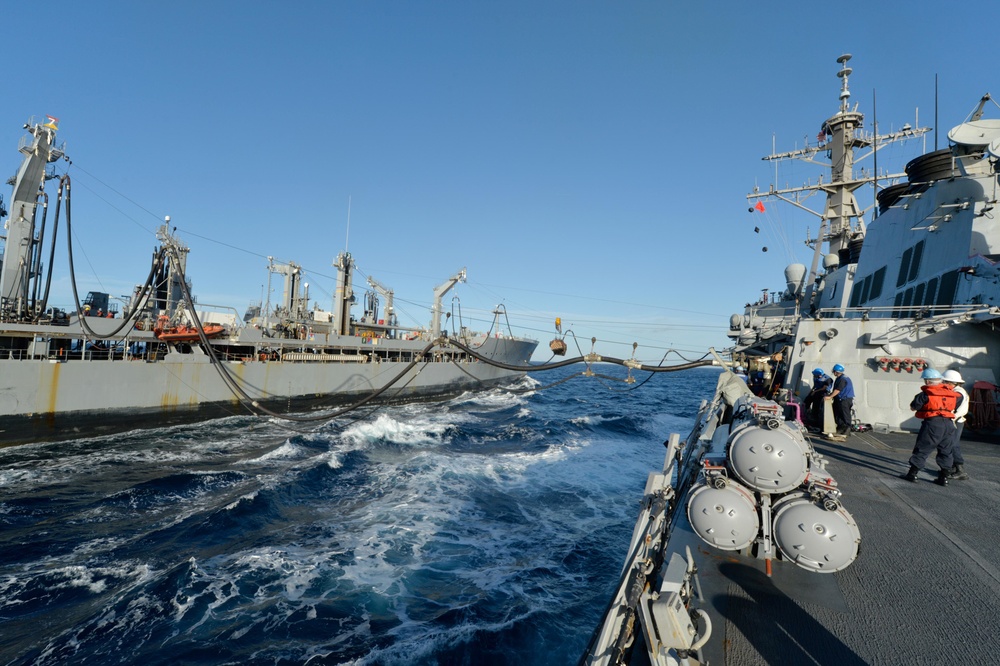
{"x":439,"y":292}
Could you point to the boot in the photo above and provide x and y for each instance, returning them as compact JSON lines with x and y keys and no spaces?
{"x":958,"y":474}
{"x":942,"y":479}
{"x":911,"y":475}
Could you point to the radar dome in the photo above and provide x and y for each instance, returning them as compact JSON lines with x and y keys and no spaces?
{"x":831,"y":261}
{"x":795,"y":276}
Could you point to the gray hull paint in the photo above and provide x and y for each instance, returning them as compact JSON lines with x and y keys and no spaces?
{"x":884,"y":394}
{"x":41,"y":397}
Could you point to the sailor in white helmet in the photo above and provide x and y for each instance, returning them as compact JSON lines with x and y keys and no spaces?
{"x":953,"y":379}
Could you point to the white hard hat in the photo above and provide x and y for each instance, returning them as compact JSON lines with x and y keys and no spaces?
{"x":952,"y":376}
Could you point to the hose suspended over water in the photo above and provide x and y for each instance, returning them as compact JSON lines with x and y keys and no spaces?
{"x":589,"y":358}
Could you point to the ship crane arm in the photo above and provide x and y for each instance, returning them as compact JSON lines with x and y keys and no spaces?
{"x":437,"y":308}
{"x":390,"y":310}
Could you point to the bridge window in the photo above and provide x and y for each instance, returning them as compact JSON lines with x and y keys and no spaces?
{"x":856,"y":292}
{"x":877,"y":279}
{"x":918,"y":294}
{"x":904,"y":267}
{"x":865,"y":287}
{"x":931,"y":292}
{"x":918,"y":251}
{"x":946,"y":293}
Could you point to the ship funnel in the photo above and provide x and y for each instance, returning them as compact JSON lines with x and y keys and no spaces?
{"x":795,"y":277}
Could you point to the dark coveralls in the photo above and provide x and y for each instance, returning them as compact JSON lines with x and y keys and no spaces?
{"x":822,"y":385}
{"x":843,"y":402}
{"x":936,"y":405}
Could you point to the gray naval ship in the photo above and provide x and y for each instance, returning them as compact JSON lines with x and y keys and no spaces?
{"x":760,"y":541}
{"x":163,"y":357}
{"x":916,"y":287}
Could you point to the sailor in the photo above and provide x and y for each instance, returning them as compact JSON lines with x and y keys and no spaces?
{"x":843,"y":400}
{"x":822,"y":385}
{"x":935,"y":405}
{"x":742,"y":374}
{"x":953,"y":380}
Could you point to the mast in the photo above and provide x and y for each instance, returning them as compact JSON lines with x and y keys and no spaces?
{"x":840,"y":135}
{"x":841,"y":205}
{"x":343,"y":298}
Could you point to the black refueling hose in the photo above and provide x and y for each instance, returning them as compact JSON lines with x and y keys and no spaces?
{"x":590,"y":358}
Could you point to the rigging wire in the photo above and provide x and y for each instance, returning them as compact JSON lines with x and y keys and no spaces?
{"x":253,"y":405}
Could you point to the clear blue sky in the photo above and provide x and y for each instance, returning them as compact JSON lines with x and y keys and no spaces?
{"x":588,"y":160}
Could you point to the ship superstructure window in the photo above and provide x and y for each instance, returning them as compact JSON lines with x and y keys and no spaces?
{"x":946,"y":293}
{"x":918,"y":251}
{"x":909,"y":265}
{"x":866,"y":285}
{"x":931,"y":292}
{"x":878,"y":278}
{"x":868,"y":289}
{"x":904,"y":267}
{"x":918,"y":294}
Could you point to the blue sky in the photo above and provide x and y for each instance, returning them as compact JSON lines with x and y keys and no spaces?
{"x":588,"y":160}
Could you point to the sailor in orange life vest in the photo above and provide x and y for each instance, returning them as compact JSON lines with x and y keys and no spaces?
{"x":935,"y":405}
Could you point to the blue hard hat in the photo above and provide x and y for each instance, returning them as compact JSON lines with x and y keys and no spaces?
{"x":818,"y":372}
{"x":838,"y":368}
{"x":930,"y":373}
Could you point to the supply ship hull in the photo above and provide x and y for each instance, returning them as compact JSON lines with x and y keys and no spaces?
{"x":162,"y":357}
{"x":53,"y":396}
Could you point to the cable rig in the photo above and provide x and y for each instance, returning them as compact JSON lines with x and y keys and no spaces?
{"x":168,"y":253}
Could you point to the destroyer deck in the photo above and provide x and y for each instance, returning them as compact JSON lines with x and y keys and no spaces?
{"x":924,"y":589}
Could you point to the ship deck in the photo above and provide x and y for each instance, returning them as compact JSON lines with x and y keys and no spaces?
{"x":925,"y":587}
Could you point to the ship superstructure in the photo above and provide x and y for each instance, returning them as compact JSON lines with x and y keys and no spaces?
{"x":164,"y":357}
{"x":918,"y":286}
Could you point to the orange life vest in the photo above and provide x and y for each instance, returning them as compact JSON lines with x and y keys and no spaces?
{"x":941,"y":401}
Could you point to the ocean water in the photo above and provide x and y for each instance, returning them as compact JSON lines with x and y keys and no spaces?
{"x":488,"y":529}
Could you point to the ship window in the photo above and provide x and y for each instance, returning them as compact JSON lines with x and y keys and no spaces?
{"x":918,"y":294}
{"x":918,"y":251}
{"x":865,"y":287}
{"x":896,"y":304}
{"x":931,"y":291}
{"x":877,"y":279}
{"x":904,"y":267}
{"x":856,"y":293}
{"x":946,"y":293}
{"x":907,"y":299}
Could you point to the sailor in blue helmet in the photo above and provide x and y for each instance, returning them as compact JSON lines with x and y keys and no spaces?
{"x":822,"y":385}
{"x":843,"y":400}
{"x":935,"y":405}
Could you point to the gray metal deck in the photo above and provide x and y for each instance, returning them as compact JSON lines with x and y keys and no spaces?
{"x":925,"y":588}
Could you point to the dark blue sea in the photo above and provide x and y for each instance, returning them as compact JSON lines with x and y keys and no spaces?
{"x":488,"y":529}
